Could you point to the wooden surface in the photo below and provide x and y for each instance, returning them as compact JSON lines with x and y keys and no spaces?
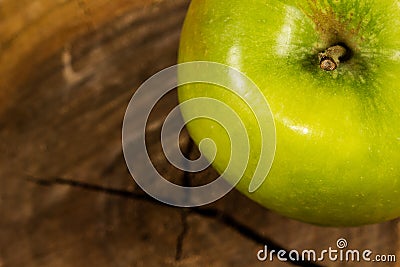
{"x":67,"y":72}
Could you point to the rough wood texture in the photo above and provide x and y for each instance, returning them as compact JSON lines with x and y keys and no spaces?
{"x":68,"y":69}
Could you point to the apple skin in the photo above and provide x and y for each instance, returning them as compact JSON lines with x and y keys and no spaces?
{"x":337,"y":160}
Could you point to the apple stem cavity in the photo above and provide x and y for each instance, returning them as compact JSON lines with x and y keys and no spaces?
{"x":330,"y":59}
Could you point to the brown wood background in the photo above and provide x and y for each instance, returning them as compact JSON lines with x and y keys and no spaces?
{"x":67,"y":71}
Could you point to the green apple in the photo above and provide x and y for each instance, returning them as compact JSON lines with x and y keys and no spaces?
{"x":330,"y":71}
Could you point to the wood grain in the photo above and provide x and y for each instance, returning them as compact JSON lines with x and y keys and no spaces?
{"x":68,"y":69}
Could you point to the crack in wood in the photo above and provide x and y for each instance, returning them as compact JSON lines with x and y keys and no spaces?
{"x":247,"y":232}
{"x":90,"y":187}
{"x":210,"y":213}
{"x":184,"y":213}
{"x":182,"y":235}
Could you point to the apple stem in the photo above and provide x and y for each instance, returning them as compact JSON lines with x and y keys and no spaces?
{"x":329,"y":60}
